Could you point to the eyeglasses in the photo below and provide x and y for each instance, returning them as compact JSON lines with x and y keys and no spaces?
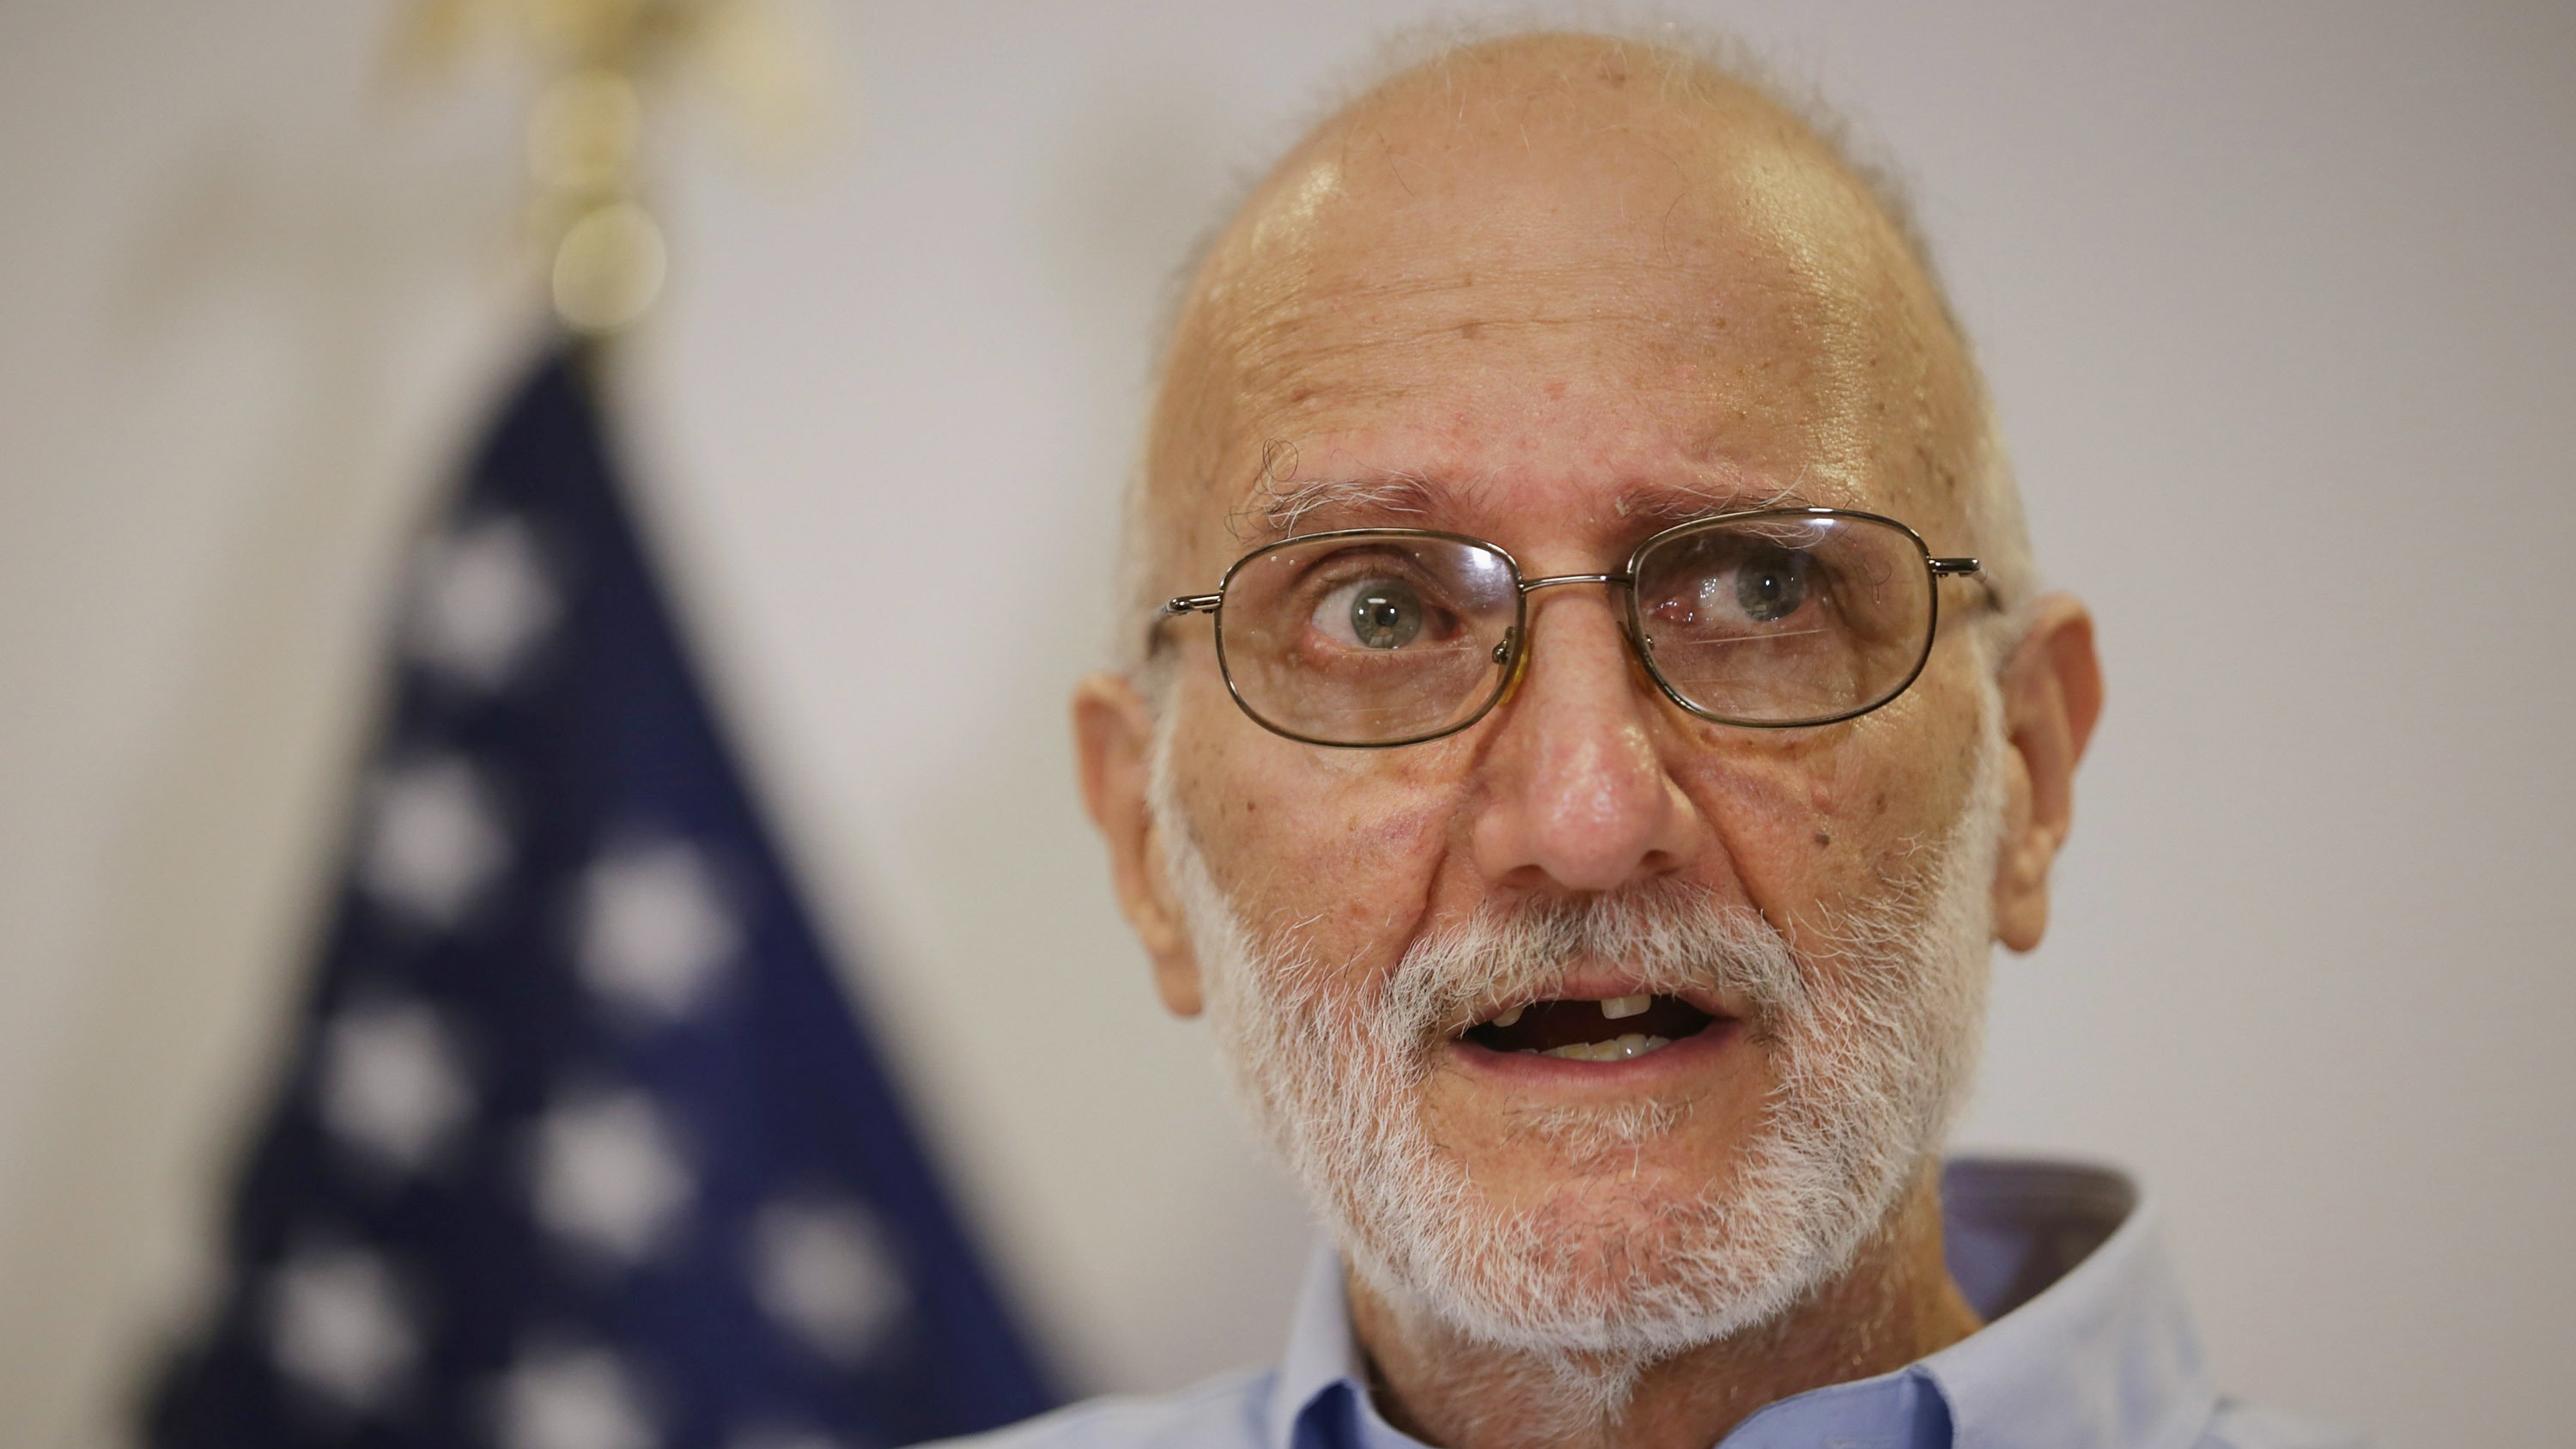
{"x":1373,"y":637}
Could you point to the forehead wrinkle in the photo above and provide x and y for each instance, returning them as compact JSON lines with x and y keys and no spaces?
{"x":1354,"y":346}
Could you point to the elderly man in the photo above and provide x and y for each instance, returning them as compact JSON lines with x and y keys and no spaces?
{"x":1592,"y":716}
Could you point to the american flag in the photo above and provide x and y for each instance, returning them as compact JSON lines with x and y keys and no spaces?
{"x":580,"y":1145}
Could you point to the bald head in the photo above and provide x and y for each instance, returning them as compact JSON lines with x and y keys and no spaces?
{"x":1624,"y":215}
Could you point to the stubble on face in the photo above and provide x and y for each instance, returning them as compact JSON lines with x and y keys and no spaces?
{"x":1870,"y":1034}
{"x":1529,"y":284}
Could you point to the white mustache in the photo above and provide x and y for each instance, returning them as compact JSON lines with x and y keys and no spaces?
{"x":1670,"y":938}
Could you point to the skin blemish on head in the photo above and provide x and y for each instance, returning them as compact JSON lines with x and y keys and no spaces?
{"x":1824,"y":838}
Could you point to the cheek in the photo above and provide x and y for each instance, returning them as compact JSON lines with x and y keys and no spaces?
{"x":1343,"y":844}
{"x":1820,"y":823}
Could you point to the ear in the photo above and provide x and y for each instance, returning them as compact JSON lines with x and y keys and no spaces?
{"x":1113,"y":740}
{"x":2052,"y":694}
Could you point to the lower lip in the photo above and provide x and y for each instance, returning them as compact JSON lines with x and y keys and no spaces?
{"x":1539,"y":1072}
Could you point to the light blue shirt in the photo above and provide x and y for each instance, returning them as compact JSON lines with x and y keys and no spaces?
{"x":2087,"y":1345}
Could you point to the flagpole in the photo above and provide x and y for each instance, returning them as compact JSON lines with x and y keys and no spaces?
{"x":606,"y":73}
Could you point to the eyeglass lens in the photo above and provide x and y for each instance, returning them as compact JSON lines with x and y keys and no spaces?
{"x":1369,"y":638}
{"x":1785,"y":619}
{"x":1387,"y":636}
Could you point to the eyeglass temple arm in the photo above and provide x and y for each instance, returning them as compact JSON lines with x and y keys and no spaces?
{"x":1947,"y":567}
{"x":1185,"y":604}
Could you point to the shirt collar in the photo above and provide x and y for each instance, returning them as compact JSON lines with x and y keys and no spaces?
{"x":1323,"y":1361}
{"x":2087,"y":1343}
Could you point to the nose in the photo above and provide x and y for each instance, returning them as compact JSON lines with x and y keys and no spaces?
{"x":1578,"y":798}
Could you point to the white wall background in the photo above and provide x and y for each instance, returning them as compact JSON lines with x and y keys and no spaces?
{"x":2277,"y":301}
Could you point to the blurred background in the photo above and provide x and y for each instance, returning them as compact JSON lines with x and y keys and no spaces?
{"x":2276,"y":302}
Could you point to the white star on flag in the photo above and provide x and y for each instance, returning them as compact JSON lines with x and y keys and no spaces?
{"x":337,"y":1326}
{"x":654,"y":928}
{"x":572,"y":1399}
{"x":479,"y":601}
{"x":823,"y":1270}
{"x":432,"y":843}
{"x":609,"y":1178}
{"x":393,"y":1084}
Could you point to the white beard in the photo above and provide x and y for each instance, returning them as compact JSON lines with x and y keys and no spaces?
{"x":1873,"y":1036}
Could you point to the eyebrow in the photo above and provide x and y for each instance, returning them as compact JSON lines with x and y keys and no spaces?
{"x":1671,"y":503}
{"x":1277,"y":508}
{"x":1280,"y":509}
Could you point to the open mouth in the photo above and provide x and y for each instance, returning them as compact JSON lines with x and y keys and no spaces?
{"x":1613,"y":1029}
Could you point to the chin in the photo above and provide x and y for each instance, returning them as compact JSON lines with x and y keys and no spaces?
{"x":1638,"y":1269}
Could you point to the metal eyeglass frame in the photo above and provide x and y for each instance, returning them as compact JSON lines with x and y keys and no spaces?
{"x":1516,"y":638}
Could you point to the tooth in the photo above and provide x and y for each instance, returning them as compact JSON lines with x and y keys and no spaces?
{"x":1588,"y":1051}
{"x":1624,"y":1006}
{"x":1617,"y":1049}
{"x":1508,"y":1018}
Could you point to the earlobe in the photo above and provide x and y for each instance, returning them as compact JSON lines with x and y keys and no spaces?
{"x":2052,"y":695}
{"x":1113,"y":738}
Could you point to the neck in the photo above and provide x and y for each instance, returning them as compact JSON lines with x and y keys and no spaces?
{"x":1895,"y":1304}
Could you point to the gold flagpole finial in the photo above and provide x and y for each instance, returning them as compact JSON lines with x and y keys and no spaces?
{"x":600,"y":62}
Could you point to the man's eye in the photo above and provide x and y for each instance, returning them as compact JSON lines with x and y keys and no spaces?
{"x":1372,"y":613}
{"x":1761,"y":586}
{"x":1770,"y":585}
